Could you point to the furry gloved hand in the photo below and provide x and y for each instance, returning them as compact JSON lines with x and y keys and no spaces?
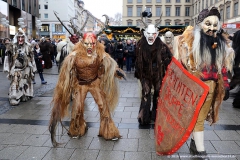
{"x":226,"y":95}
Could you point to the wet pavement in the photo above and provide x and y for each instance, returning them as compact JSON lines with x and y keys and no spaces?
{"x":24,"y":128}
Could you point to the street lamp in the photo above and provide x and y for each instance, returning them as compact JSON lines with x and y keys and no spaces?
{"x":4,"y":22}
{"x":21,"y":22}
{"x":38,"y":25}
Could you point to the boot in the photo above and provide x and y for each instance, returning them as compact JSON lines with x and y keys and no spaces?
{"x":197,"y":146}
{"x":42,"y":79}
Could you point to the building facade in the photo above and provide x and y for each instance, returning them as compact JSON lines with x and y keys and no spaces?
{"x":51,"y":27}
{"x":11,"y":10}
{"x":229,"y":11}
{"x":177,"y":12}
{"x":66,"y":9}
{"x":174,"y":12}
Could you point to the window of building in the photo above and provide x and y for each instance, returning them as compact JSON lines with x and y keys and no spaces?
{"x":196,"y":9}
{"x":45,"y":15}
{"x":39,"y":6}
{"x":39,"y":16}
{"x":158,"y":1}
{"x":177,"y":11}
{"x":168,"y":1}
{"x":211,"y":2}
{"x":138,"y":23}
{"x":178,"y":1}
{"x":14,"y":3}
{"x":221,"y":14}
{"x":148,"y":9}
{"x":45,"y":6}
{"x":187,"y":23}
{"x":129,"y":23}
{"x":187,"y":11}
{"x":129,"y":11}
{"x":35,"y":7}
{"x":202,"y":4}
{"x":199,"y":7}
{"x":30,"y":7}
{"x":167,"y":23}
{"x":129,"y":1}
{"x":23,"y":5}
{"x":139,"y":11}
{"x":235,"y":9}
{"x":228,"y":12}
{"x":45,"y":28}
{"x":149,"y":1}
{"x":139,"y":1}
{"x":168,"y":11}
{"x":187,"y":1}
{"x":216,"y":1}
{"x":158,"y":11}
{"x":58,"y":28}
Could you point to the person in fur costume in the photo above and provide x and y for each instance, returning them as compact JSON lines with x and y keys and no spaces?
{"x":235,"y":81}
{"x":152,"y":58}
{"x":205,"y":53}
{"x":87,"y":69}
{"x":20,"y":65}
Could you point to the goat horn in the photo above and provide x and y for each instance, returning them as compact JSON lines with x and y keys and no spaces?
{"x":156,"y":25}
{"x":145,"y":24}
{"x":85,"y":20}
{"x":106,"y":24}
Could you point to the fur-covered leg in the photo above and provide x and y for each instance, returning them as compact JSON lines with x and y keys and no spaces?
{"x":78,"y":125}
{"x":144,"y":111}
{"x":155,"y":98}
{"x":55,"y":118}
{"x":107,"y":129}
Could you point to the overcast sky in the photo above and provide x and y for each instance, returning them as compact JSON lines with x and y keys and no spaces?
{"x":101,"y":7}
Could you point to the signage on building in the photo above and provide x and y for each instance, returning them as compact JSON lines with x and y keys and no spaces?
{"x":58,"y":33}
{"x":12,"y":30}
{"x":231,"y":25}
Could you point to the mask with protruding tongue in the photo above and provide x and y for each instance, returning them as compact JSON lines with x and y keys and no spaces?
{"x":89,"y":41}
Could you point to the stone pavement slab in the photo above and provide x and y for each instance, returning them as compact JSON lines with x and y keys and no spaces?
{"x":24,"y":129}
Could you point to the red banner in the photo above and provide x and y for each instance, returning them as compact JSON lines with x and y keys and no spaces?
{"x":180,"y":99}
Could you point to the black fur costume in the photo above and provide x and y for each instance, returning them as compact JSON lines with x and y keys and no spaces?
{"x":151,"y":64}
{"x":235,"y":81}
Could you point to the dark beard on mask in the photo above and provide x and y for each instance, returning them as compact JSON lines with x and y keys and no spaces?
{"x":206,"y":43}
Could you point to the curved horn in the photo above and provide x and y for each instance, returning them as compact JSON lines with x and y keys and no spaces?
{"x":105,"y":25}
{"x":145,"y":24}
{"x":107,"y":19}
{"x":62,"y":22}
{"x":156,"y":25}
{"x":73,"y":26}
{"x":85,"y":20}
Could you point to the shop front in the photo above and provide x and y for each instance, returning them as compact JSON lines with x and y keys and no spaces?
{"x":4,"y":16}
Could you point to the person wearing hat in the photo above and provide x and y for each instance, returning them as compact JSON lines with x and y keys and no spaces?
{"x":205,"y":53}
{"x":20,"y":65}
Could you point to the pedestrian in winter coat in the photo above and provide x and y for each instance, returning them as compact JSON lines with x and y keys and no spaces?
{"x":38,"y":60}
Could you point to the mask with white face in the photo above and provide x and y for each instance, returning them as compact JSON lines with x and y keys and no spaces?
{"x":151,"y":33}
